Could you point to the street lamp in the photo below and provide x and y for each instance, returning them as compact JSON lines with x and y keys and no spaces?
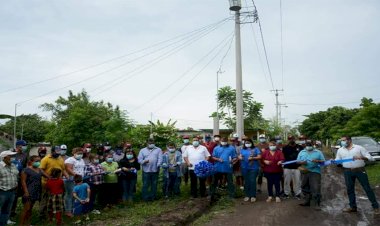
{"x":235,"y":5}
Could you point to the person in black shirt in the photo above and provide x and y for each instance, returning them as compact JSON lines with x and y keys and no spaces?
{"x":291,"y":172}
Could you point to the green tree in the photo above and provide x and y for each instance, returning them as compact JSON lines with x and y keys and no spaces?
{"x":30,"y":127}
{"x":366,"y":102}
{"x":78,"y":120}
{"x":227,"y":109}
{"x":365,"y":123}
{"x":161,"y":132}
{"x":326,"y":124}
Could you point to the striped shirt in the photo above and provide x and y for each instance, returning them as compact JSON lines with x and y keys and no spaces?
{"x":8,"y":176}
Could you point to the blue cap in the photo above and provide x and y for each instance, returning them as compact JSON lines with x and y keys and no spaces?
{"x":21,"y":142}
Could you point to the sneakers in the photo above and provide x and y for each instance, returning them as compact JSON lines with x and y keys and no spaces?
{"x":278,"y":199}
{"x":9,"y":222}
{"x":253,"y":199}
{"x":269,"y":199}
{"x":78,"y":222}
{"x":241,"y":188}
{"x":286,"y":196}
{"x":350,"y":210}
{"x":96,"y":212}
{"x":246,"y":199}
{"x":87,"y":218}
{"x":298,"y":197}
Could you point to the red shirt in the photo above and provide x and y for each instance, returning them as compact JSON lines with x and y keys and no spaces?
{"x":55,"y":186}
{"x":275,"y":158}
{"x":210,"y":147}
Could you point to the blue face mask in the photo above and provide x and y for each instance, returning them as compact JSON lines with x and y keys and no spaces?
{"x":109,"y":159}
{"x":129,"y":156}
{"x":309,"y":148}
{"x":272,"y":148}
{"x":343,"y":143}
{"x":208,"y":139}
{"x":196,"y":143}
{"x":96,"y":161}
{"x":262,"y":140}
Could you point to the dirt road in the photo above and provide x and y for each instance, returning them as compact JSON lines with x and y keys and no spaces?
{"x":288,"y":212}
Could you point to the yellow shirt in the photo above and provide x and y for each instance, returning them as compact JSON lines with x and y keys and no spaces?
{"x":48,"y":163}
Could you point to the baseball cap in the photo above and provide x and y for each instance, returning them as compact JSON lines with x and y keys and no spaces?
{"x":7,"y":153}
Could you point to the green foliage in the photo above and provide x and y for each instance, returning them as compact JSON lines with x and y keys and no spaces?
{"x":78,"y":120}
{"x":251,"y":109}
{"x":365,"y":123}
{"x":31,"y":127}
{"x":161,"y":132}
{"x":336,"y":121}
{"x":326,"y":124}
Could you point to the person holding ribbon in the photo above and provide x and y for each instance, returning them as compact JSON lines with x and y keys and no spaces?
{"x":272,"y":168}
{"x":171,"y":166}
{"x":310,"y":160}
{"x":355,"y":170}
{"x":224,"y":157}
{"x":128,"y":175}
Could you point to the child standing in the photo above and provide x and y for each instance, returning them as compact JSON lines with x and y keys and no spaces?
{"x":55,"y":188}
{"x":81,"y":195}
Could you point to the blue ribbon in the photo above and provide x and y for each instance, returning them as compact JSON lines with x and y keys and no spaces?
{"x":325,"y":163}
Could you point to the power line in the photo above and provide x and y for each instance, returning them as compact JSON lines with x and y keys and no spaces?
{"x":188,"y":83}
{"x":265,"y":51}
{"x":112,"y":59}
{"x":114,"y":68}
{"x":310,"y":104}
{"x":120,"y":79}
{"x":184,"y":74}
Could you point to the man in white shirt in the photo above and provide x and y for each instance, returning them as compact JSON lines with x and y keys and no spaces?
{"x":193,"y":155}
{"x":355,"y":170}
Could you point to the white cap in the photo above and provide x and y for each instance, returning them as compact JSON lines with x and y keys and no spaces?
{"x":235,"y":135}
{"x":63,"y":146}
{"x":261,"y":136}
{"x":7,"y":153}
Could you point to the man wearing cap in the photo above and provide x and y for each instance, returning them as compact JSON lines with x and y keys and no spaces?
{"x":48,"y":163}
{"x":184,"y":167}
{"x":150,"y":159}
{"x":8,"y":185}
{"x":63,"y":152}
{"x":356,"y":170}
{"x":291,"y":171}
{"x":310,"y":159}
{"x":263,"y":146}
{"x":20,"y":160}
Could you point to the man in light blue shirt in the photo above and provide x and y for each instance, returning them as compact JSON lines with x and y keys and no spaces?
{"x":224,"y":156}
{"x":150,"y":159}
{"x":310,"y":158}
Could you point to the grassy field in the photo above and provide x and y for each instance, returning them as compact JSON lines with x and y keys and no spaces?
{"x":373,"y":172}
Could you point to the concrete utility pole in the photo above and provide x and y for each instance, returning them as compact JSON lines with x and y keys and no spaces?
{"x":277,"y":105}
{"x":14,"y":128}
{"x":216,"y":119}
{"x":235,"y":5}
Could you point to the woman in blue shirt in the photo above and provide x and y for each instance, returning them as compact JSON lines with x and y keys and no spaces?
{"x":249,"y":157}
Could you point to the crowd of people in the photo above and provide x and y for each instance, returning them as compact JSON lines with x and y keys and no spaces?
{"x":86,"y":180}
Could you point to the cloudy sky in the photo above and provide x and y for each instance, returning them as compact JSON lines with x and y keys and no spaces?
{"x":160,"y":57}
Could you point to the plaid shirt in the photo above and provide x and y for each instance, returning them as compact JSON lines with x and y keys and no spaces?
{"x":92,"y":169}
{"x":8,"y":176}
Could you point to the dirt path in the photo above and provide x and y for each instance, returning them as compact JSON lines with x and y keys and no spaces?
{"x":289,"y":212}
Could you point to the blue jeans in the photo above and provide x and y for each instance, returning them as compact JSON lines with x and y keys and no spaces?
{"x":128,"y":186}
{"x":350,"y":177}
{"x":69,"y":186}
{"x":6,"y":201}
{"x":250,"y":182}
{"x":149,"y":182}
{"x":93,"y":195}
{"x":171,"y":184}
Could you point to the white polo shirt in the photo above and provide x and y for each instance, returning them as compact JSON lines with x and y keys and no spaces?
{"x":356,"y":150}
{"x":195,"y":154}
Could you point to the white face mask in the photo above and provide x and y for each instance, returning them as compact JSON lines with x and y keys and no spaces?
{"x":216,"y":139}
{"x":223,"y":143}
{"x":248,"y":145}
